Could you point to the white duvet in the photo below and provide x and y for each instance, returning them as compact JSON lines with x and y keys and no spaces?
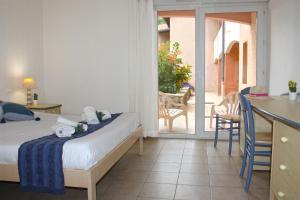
{"x":80,"y":153}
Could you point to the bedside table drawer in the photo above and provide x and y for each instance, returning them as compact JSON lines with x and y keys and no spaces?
{"x":46,"y":108}
{"x":53,"y":111}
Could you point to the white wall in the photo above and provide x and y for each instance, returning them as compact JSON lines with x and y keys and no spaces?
{"x":86,"y":53}
{"x":284,"y":44}
{"x":21,"y":52}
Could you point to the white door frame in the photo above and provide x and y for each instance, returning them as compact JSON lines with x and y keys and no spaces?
{"x":261,"y":52}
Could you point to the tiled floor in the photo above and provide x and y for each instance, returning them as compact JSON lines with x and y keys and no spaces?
{"x":169,"y":169}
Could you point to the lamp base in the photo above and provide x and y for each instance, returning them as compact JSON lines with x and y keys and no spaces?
{"x":29,"y":97}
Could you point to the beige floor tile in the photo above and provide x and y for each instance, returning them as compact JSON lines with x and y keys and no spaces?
{"x":145,"y":166}
{"x":227,"y":160}
{"x":194,"y":159}
{"x":154,"y":190}
{"x":145,"y":198}
{"x":225,"y":180}
{"x":124,"y":187}
{"x":162,"y":177}
{"x":193,"y":179}
{"x":170,"y":158}
{"x":169,"y":151}
{"x":195,"y":152}
{"x":192,"y":164}
{"x":226,"y":193}
{"x":113,"y":196}
{"x":188,"y":192}
{"x":132,"y":176}
{"x":195,"y":144}
{"x":194,"y":168}
{"x":260,"y":180}
{"x":258,"y":194}
{"x":166,"y":167}
{"x":222,"y":169}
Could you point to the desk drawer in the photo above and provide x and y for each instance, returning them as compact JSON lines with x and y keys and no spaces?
{"x":282,"y":189}
{"x":286,"y":160}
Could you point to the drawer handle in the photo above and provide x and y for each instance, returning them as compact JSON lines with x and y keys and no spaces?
{"x":281,"y":194}
{"x":282,"y":167}
{"x":284,"y":139}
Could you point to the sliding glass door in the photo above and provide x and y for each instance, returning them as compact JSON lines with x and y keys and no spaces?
{"x":221,"y":49}
{"x":229,"y":58}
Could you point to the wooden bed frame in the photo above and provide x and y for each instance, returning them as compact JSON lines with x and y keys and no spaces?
{"x":85,"y":178}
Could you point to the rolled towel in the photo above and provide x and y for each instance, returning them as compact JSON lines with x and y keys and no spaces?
{"x":67,"y":122}
{"x":90,"y":115}
{"x":106,"y":114}
{"x":64,"y":130}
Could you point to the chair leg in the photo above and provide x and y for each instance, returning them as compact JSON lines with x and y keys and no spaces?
{"x":170,"y":124}
{"x":230,"y":137}
{"x":211,"y":118}
{"x":217,"y":131}
{"x":186,"y":121}
{"x":249,"y":175}
{"x":239,"y":131}
{"x":244,"y":162}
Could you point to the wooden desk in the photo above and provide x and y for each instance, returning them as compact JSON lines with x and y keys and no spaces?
{"x":285,"y":170}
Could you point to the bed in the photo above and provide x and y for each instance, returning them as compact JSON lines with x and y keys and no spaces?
{"x":95,"y":153}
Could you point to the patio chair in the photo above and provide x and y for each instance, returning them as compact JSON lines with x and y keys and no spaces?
{"x":227,"y":113}
{"x":169,"y":110}
{"x":229,"y":107}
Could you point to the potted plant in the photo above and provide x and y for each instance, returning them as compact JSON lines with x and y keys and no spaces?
{"x":35,"y":98}
{"x":292,"y":90}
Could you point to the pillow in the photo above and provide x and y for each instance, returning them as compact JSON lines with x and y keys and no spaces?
{"x":16,"y":112}
{"x":1,"y":112}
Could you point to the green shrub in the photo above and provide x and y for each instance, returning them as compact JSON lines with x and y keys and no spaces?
{"x":171,"y":72}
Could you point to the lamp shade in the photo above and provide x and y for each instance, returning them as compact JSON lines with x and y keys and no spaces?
{"x":29,"y":83}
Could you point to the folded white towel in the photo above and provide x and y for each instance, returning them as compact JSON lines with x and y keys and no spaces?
{"x":107,"y":114}
{"x":90,"y":115}
{"x":67,"y":122}
{"x":64,"y":130}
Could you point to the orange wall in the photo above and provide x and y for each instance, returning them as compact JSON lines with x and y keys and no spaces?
{"x":182,"y":30}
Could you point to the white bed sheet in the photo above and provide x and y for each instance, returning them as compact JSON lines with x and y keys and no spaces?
{"x":80,"y":153}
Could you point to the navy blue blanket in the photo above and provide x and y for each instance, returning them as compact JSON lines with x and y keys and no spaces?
{"x":40,"y":161}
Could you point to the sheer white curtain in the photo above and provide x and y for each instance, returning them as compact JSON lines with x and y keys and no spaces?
{"x":143,"y":68}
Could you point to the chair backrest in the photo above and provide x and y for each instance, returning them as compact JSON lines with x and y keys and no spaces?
{"x":163,"y":112}
{"x":247,"y":113}
{"x":231,"y":102}
{"x":163,"y":104}
{"x":245,"y":91}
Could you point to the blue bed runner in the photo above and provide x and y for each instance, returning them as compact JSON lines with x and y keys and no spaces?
{"x":40,"y":161}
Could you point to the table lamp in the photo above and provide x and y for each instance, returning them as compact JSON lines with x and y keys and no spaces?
{"x":29,"y":84}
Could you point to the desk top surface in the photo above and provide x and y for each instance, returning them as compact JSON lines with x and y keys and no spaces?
{"x":280,"y":108}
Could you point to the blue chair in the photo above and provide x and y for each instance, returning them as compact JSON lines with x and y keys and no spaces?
{"x":245,"y":91}
{"x":252,"y":141}
{"x":227,"y":118}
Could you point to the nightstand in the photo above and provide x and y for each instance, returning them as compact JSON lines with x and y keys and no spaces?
{"x":46,"y":108}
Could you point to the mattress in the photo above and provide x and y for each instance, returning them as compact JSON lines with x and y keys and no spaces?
{"x":80,"y":153}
